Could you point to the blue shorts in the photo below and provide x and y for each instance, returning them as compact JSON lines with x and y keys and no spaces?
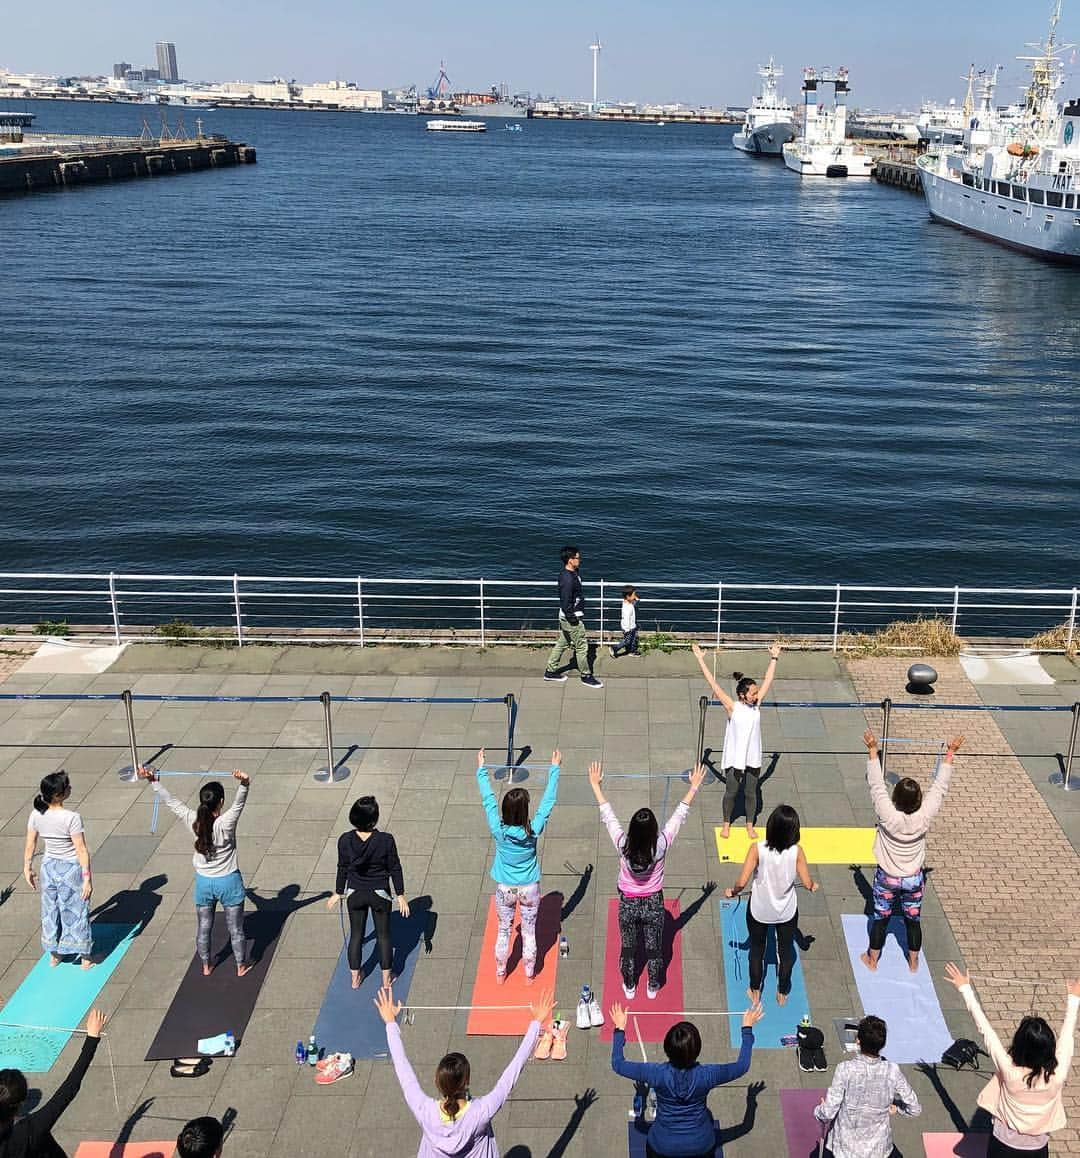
{"x":227,"y":890}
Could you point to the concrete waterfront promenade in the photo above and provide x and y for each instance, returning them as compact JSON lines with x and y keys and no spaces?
{"x":1001,"y":897}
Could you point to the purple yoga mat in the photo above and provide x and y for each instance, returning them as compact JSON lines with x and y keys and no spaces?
{"x":907,"y":1001}
{"x":801,"y":1128}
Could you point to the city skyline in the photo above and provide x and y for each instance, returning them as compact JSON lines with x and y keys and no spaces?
{"x":702,"y":56}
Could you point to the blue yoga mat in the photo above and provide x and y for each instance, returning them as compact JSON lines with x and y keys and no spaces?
{"x":58,"y":996}
{"x":778,"y":1020}
{"x":907,"y":1001}
{"x":348,"y":1021}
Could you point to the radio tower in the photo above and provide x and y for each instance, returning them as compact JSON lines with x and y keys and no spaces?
{"x":595,"y":50}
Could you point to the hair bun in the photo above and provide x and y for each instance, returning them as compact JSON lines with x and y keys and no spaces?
{"x":736,"y":676}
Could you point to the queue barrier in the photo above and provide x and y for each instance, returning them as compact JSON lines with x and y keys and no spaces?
{"x":887,"y":707}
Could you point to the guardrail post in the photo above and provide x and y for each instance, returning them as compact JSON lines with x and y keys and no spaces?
{"x":115,"y":610}
{"x":1072,"y":622}
{"x":886,"y":711}
{"x":703,"y":709}
{"x":955,"y":608}
{"x":836,"y":622}
{"x":511,"y":721}
{"x":236,"y":605}
{"x":360,"y":608}
{"x":719,"y":609}
{"x":601,"y":613}
{"x":483,"y":634}
{"x":129,"y":711}
{"x":1072,"y":747}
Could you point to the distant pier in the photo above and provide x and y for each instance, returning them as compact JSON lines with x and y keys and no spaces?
{"x":30,"y":162}
{"x":895,"y":165}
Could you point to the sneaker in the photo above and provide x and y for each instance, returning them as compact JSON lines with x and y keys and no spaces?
{"x":591,"y":681}
{"x":596,"y":1017}
{"x":559,"y":1030}
{"x":583,"y":1019}
{"x":554,"y":677}
{"x":819,"y":1060}
{"x":630,"y":991}
{"x":806,"y":1060}
{"x":341,"y":1065}
{"x":543,"y":1046}
{"x":651,"y":993}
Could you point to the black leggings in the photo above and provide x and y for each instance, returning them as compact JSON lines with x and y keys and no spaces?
{"x":785,"y":950}
{"x":359,"y":903}
{"x":997,"y":1149}
{"x":913,"y":928}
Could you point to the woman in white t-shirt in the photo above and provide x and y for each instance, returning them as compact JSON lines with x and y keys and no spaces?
{"x":65,"y":872}
{"x":741,"y":757}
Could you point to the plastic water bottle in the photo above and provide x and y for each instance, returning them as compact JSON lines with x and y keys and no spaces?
{"x":650,"y":1106}
{"x":637,"y":1107}
{"x":805,"y":1023}
{"x":312,"y":1051}
{"x":586,"y":994}
{"x":230,"y":1043}
{"x":564,"y":946}
{"x":300,"y":1054}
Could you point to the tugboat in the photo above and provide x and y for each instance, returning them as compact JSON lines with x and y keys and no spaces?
{"x":823,"y":149}
{"x":1016,"y":181}
{"x":770,"y":121}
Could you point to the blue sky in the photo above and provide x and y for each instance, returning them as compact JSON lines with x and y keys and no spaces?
{"x":692,"y":51}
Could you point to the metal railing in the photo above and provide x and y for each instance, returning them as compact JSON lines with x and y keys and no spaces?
{"x":361,"y":610}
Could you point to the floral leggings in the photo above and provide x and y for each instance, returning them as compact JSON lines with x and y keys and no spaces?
{"x":636,"y":915}
{"x":888,"y":891}
{"x":509,"y":898}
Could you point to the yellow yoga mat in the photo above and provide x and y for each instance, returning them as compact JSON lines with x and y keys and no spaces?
{"x":821,"y":845}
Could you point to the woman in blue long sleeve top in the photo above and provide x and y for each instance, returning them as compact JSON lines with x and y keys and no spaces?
{"x":516,"y":869}
{"x":683,"y":1126}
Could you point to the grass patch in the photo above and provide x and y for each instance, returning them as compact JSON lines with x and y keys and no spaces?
{"x":662,"y":641}
{"x":1056,"y":639}
{"x":57,"y":627}
{"x":178,"y":632}
{"x":925,"y":636}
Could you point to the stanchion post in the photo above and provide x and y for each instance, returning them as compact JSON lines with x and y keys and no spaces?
{"x":325,"y":700}
{"x":703,"y":708}
{"x":129,"y":711}
{"x":511,"y":720}
{"x":1072,"y":746}
{"x":886,"y":711}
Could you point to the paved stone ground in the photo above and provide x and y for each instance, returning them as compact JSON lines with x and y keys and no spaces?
{"x":991,"y":902}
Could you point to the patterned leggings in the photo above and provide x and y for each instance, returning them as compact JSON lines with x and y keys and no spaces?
{"x":508,"y":898}
{"x":888,"y":891}
{"x":234,"y":920}
{"x":645,"y":914}
{"x":65,"y":916}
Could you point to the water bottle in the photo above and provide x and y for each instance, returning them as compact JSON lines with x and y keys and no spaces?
{"x":586,"y":994}
{"x":805,"y":1023}
{"x":650,"y":1106}
{"x":638,"y":1106}
{"x":312,"y":1051}
{"x":564,"y":946}
{"x":230,"y":1043}
{"x":300,"y":1054}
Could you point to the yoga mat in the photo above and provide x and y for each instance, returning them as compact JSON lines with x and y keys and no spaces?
{"x":348,"y":1021}
{"x":801,"y":1129}
{"x":637,"y":1131}
{"x":514,"y":991}
{"x":955,"y":1145}
{"x":907,"y":1001}
{"x":821,"y":845}
{"x":669,"y":1001}
{"x":207,"y":1006}
{"x":778,"y":1020}
{"x":126,"y":1149}
{"x":60,"y":996}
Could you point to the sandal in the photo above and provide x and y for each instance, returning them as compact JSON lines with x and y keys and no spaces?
{"x":559,"y":1030}
{"x":543,"y":1046}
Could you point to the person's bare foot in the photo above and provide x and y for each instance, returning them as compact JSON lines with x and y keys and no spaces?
{"x":207,"y":969}
{"x":913,"y":962}
{"x":54,"y":960}
{"x":754,"y":995}
{"x":88,"y":962}
{"x":725,"y":831}
{"x":245,"y":969}
{"x":356,"y":979}
{"x":781,"y":998}
{"x":868,"y":961}
{"x":751,"y":832}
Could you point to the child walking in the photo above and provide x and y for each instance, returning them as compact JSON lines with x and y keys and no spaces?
{"x":741,"y":756}
{"x":641,"y":878}
{"x":516,"y":869}
{"x":628,"y":623}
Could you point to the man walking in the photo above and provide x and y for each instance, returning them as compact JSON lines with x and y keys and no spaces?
{"x":572,"y":634}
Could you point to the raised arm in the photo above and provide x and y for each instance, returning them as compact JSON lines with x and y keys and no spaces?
{"x":547,"y":801}
{"x":770,"y":673}
{"x":406,"y":1075}
{"x":745,"y":873}
{"x":607,"y":813}
{"x":721,"y":1074}
{"x":1068,"y":1029}
{"x":232,"y":814}
{"x":187,"y":815}
{"x":998,"y":1054}
{"x":490,"y":1104}
{"x":487,"y":795}
{"x":935,"y":794}
{"x":635,"y":1071}
{"x":42,"y":1121}
{"x":682,"y":809}
{"x":717,"y":690}
{"x":883,"y":806}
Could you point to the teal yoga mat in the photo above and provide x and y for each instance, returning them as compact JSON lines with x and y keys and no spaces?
{"x":59,"y":996}
{"x":778,"y":1020}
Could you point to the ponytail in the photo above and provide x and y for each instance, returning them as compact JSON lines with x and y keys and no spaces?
{"x":211,"y":797}
{"x":54,"y":786}
{"x":452,"y":1080}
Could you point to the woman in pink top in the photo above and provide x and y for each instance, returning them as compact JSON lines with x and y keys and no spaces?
{"x":455,"y":1123}
{"x":641,"y":878}
{"x":1024,"y":1095}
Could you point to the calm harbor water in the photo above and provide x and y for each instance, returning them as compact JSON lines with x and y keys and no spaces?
{"x":385,"y":352}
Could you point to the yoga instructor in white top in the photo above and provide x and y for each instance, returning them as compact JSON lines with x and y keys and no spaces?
{"x":741,"y":757}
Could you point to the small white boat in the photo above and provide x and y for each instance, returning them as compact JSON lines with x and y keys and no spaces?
{"x":512,"y":128}
{"x":456,"y":127}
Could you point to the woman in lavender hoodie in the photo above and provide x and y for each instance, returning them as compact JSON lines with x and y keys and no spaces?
{"x":641,"y":878}
{"x":455,"y":1123}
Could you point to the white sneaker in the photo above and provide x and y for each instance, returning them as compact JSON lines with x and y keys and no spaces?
{"x":595,"y":1016}
{"x":583,"y":1019}
{"x":630,"y":991}
{"x":651,"y":993}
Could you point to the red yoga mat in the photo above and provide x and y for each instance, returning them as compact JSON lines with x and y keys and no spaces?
{"x":126,"y":1150}
{"x":955,"y":1145}
{"x":514,"y":991}
{"x":668,"y":1007}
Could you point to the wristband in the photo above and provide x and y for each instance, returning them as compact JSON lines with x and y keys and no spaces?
{"x":86,"y":874}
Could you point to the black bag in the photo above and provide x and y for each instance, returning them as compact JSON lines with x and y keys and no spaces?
{"x":962,"y":1052}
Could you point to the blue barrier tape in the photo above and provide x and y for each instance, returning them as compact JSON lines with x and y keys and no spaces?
{"x":921,"y":707}
{"x":254,"y":699}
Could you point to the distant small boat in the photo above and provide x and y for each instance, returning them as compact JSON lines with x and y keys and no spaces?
{"x":660,"y":124}
{"x":456,"y":127}
{"x":512,"y":128}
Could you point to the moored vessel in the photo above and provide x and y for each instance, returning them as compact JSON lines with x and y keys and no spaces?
{"x":456,"y":126}
{"x":823,"y":150}
{"x":770,"y":120}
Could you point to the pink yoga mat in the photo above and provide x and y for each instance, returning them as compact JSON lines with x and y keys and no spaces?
{"x":668,"y":1006}
{"x":955,"y":1145}
{"x":801,"y":1129}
